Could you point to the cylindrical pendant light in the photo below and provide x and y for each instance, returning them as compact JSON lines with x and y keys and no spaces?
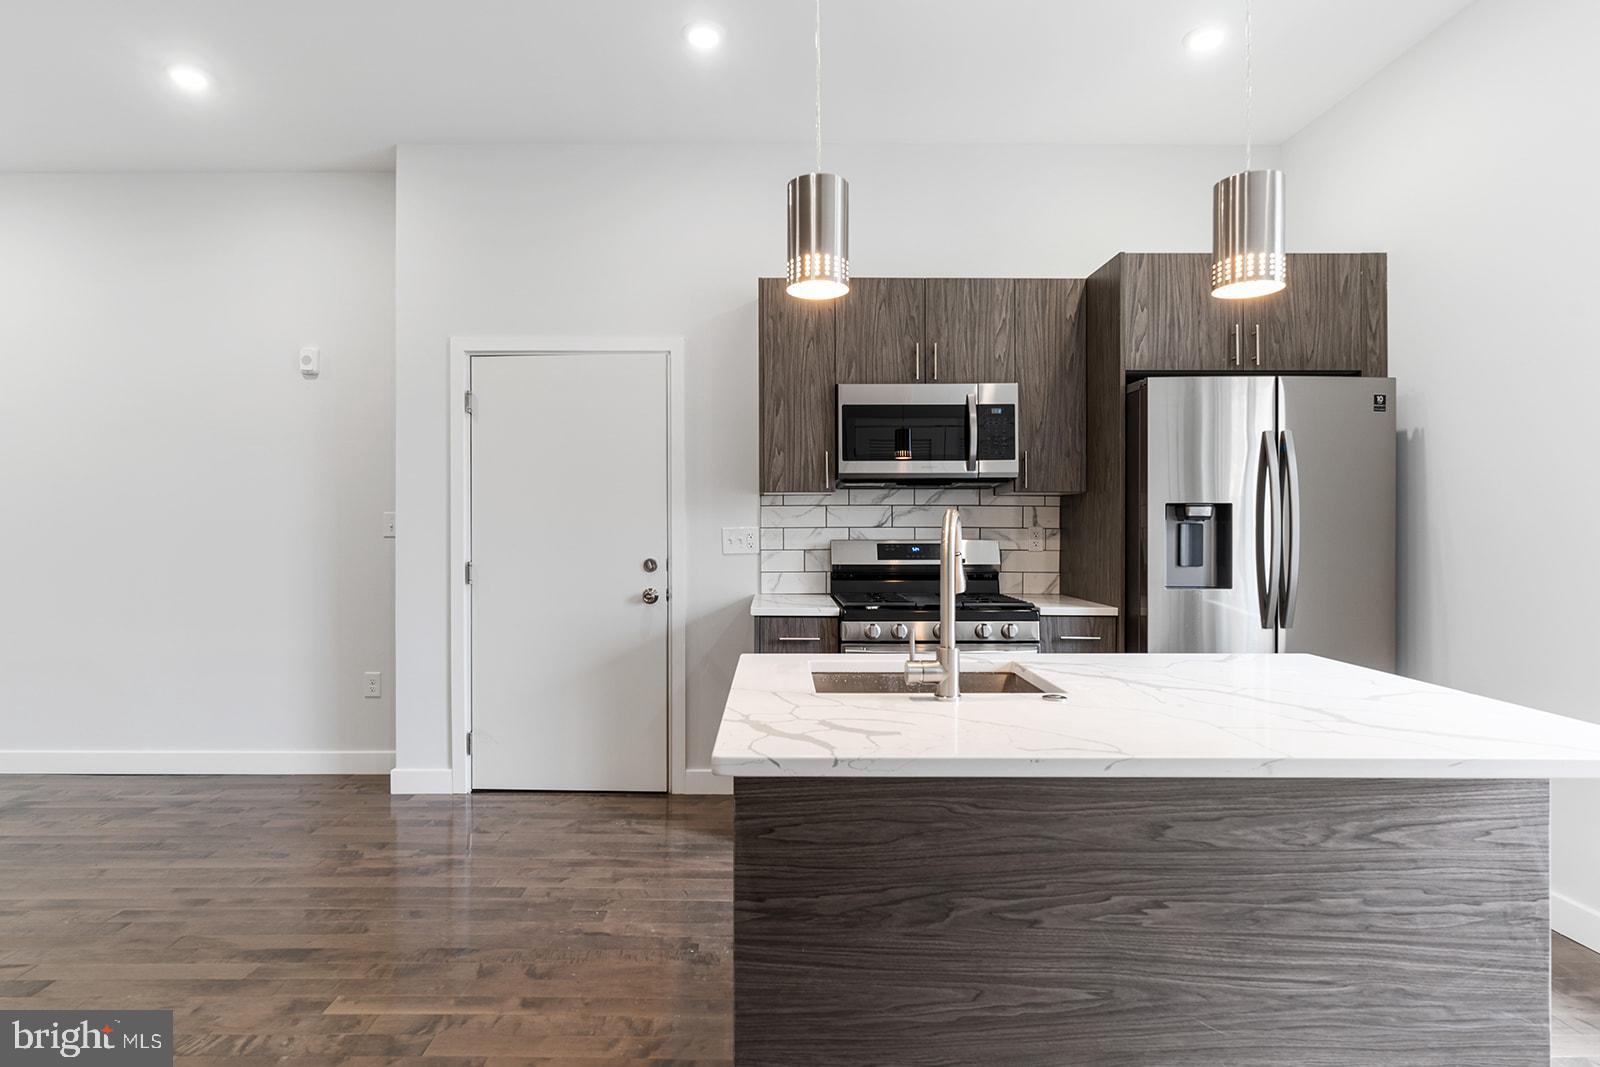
{"x":819,"y":236}
{"x":819,"y":219}
{"x":1248,"y":257}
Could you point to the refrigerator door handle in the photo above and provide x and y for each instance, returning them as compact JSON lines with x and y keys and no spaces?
{"x":1268,"y":509}
{"x":1291,"y":530}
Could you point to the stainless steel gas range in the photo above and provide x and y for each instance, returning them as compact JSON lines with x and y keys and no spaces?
{"x":888,"y":591}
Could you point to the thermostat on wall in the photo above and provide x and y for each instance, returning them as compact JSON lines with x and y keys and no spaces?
{"x":310,"y":362}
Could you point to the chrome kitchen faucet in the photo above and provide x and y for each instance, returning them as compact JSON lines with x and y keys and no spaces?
{"x":945,"y":666}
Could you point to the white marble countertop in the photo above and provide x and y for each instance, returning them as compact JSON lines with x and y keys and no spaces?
{"x":1054,"y":604}
{"x":793,"y":604}
{"x":822,"y":604}
{"x":1263,"y":716}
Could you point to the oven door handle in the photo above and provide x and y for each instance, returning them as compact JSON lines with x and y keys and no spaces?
{"x":972,"y":431}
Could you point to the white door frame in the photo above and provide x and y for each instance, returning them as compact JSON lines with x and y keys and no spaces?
{"x":462,"y":349}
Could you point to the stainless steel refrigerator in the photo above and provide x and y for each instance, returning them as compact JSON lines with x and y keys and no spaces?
{"x":1261,"y":516}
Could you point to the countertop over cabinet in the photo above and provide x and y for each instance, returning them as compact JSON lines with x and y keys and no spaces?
{"x":1164,"y":716}
{"x":780,"y":604}
{"x":793,"y":604}
{"x":1051,"y":604}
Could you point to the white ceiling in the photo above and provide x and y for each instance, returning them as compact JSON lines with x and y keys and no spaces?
{"x":337,"y":83}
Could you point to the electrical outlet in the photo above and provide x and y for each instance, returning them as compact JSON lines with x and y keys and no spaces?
{"x":374,"y":685}
{"x":740,"y":540}
{"x":1036,"y":539}
{"x":388,"y":524}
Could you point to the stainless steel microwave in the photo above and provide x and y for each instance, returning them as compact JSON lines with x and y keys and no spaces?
{"x":928,"y":432}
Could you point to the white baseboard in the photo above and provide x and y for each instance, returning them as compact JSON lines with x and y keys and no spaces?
{"x":414,"y":780}
{"x":701,"y":780}
{"x":1578,"y":921}
{"x":409,"y":780}
{"x":89,"y":761}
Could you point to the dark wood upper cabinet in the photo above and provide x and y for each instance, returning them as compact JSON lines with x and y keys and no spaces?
{"x":1375,"y":314}
{"x":796,"y":392}
{"x":880,"y":332}
{"x":1171,"y":322}
{"x":966,"y":330}
{"x":1048,"y":352}
{"x":1318,"y":323}
{"x":1332,"y":318}
{"x":1029,"y":331}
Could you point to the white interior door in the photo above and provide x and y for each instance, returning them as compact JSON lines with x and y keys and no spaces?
{"x":569,"y":499}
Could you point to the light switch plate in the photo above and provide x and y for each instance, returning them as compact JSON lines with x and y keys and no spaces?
{"x":388,"y":524}
{"x":740,"y":540}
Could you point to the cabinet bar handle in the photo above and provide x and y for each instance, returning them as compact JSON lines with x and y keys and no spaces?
{"x":1024,"y":468}
{"x":919,"y":361}
{"x":827,"y":482}
{"x":1238,"y":345}
{"x":1258,"y":344}
{"x":936,"y":361}
{"x":1076,"y":637}
{"x":819,"y":639}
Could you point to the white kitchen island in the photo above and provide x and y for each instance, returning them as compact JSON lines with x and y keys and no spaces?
{"x":1150,"y":859}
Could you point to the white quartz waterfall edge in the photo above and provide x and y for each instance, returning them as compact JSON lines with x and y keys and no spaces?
{"x":1263,"y":716}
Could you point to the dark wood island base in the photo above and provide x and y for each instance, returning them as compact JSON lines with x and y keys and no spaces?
{"x":1013,"y":921}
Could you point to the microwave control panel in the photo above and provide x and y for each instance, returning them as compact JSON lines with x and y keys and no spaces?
{"x":997,"y":431}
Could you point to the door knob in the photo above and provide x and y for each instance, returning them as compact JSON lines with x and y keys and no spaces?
{"x":651,"y":596}
{"x":650,"y":565}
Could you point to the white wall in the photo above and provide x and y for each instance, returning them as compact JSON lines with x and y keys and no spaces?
{"x":192,"y":573}
{"x":1473,"y":161}
{"x":668,"y":240}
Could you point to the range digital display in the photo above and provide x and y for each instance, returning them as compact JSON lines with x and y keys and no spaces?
{"x":908,"y":550}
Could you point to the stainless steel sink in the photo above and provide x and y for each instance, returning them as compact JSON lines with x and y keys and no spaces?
{"x":894,"y":682}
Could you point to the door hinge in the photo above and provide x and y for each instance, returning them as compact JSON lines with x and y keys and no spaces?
{"x":469,"y":742}
{"x":468,"y":404}
{"x":469,"y":573}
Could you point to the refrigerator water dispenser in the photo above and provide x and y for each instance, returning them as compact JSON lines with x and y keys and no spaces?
{"x":1199,"y":546}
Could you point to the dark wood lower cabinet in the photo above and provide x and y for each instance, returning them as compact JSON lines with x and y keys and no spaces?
{"x":950,"y":921}
{"x":813,"y":634}
{"x":1078,"y":633}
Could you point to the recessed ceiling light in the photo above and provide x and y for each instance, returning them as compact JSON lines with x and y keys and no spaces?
{"x":1204,"y":39}
{"x":703,"y":35}
{"x":189,"y":79}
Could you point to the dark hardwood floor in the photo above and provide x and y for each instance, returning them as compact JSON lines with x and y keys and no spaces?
{"x":319,"y":921}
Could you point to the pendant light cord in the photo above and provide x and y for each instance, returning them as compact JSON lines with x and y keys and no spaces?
{"x":817,"y":41}
{"x":1249,"y":90}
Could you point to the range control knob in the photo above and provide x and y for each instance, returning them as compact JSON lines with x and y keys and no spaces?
{"x":982,"y":629}
{"x":899,"y":631}
{"x":1009,"y":630}
{"x":874,"y":631}
{"x":936,"y":630}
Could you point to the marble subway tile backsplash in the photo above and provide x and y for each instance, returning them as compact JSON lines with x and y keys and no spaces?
{"x":796,"y":530}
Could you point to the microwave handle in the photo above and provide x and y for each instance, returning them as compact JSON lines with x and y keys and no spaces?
{"x":972,"y":432}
